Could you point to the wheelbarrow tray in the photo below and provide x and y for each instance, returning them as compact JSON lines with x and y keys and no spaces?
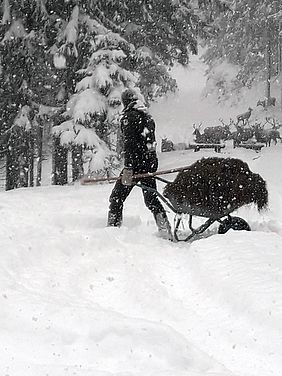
{"x":214,"y":188}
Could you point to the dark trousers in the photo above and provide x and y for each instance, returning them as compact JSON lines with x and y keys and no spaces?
{"x":120,"y":193}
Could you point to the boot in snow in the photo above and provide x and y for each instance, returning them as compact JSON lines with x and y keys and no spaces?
{"x":114,"y":220}
{"x":164,"y":228}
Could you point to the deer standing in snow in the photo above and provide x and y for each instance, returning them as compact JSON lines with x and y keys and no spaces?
{"x":274,"y":133}
{"x":245,"y":116}
{"x":242,"y":134}
{"x":200,"y":138}
{"x":261,"y":135}
{"x":211,"y":135}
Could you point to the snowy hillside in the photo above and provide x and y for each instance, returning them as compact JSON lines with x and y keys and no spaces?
{"x":82,"y":299}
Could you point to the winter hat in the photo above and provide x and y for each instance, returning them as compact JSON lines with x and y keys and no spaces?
{"x":128,"y":96}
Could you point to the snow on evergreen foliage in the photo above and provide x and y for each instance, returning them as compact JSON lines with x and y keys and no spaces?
{"x":6,"y":12}
{"x":96,"y":103}
{"x":22,"y":119}
{"x":69,"y":34}
{"x":59,"y":61}
{"x":15,"y":31}
{"x":80,"y":56}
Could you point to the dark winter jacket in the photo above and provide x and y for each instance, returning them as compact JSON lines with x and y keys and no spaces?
{"x":138,"y":131}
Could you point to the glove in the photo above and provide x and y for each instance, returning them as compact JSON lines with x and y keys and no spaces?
{"x":126,"y":176}
{"x":153,"y":161}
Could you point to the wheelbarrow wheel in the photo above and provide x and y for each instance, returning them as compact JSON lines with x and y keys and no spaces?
{"x":234,"y":223}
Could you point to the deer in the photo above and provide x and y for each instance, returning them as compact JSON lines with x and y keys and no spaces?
{"x":245,"y":116}
{"x":271,"y":101}
{"x":166,"y":145}
{"x":242,"y":134}
{"x":274,"y":134}
{"x":200,"y":138}
{"x":212,"y":134}
{"x":261,"y":135}
{"x":218,"y":132}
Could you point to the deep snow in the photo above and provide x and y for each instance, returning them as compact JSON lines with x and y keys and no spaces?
{"x":82,"y":299}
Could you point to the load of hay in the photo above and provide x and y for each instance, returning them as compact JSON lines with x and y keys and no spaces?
{"x":214,"y":187}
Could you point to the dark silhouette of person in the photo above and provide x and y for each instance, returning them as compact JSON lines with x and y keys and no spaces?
{"x":139,"y":151}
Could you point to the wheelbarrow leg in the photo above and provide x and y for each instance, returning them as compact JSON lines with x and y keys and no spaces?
{"x":176,"y":226}
{"x":198,"y":230}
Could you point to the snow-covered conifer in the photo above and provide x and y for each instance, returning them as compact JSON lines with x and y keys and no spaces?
{"x":93,"y":108}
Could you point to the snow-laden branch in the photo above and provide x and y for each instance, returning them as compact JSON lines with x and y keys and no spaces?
{"x":6,"y":12}
{"x":84,"y":104}
{"x":41,"y":4}
{"x":93,"y":26}
{"x":70,"y":33}
{"x":15,"y":31}
{"x":106,"y":54}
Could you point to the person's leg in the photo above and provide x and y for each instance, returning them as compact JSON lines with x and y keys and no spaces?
{"x":153,"y":203}
{"x":117,"y":198}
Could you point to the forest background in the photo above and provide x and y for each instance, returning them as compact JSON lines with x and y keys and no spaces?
{"x":64,"y":64}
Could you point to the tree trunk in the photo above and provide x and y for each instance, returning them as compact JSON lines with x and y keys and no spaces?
{"x":24,"y":159}
{"x":31,"y":160}
{"x":14,"y":154}
{"x":61,"y":163}
{"x":280,"y":60}
{"x":77,"y":164}
{"x":12,"y":169}
{"x":10,"y":172}
{"x":268,"y":69}
{"x":39,"y":155}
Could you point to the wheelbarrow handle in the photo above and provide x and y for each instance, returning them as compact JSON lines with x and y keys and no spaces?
{"x":89,"y":181}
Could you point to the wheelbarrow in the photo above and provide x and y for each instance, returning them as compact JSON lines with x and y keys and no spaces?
{"x":211,"y":188}
{"x":225,"y":220}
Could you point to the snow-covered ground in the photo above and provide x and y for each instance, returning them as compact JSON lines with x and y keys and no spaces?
{"x":78,"y":298}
